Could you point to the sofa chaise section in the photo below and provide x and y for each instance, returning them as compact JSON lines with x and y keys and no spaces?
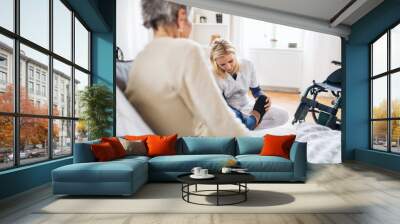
{"x":87,"y":177}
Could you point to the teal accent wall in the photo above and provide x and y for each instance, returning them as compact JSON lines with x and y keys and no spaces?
{"x":103,"y":58}
{"x":90,"y":12}
{"x":356,"y":102}
{"x":103,"y":64}
{"x":356,"y":85}
{"x":103,"y":52}
{"x":377,"y":158}
{"x":100,"y":17}
{"x":344,"y":93}
{"x":24,"y":178}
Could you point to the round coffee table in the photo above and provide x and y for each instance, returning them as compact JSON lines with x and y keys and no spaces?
{"x":238,"y":179}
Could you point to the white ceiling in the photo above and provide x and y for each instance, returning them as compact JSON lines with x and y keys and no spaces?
{"x":315,"y":15}
{"x":321,"y":9}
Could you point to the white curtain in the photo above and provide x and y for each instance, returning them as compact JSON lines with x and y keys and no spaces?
{"x":132,"y":36}
{"x":237,"y":38}
{"x":318,"y":52}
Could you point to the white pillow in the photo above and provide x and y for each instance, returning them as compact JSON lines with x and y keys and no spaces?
{"x":122,"y":73}
{"x":129,"y":121}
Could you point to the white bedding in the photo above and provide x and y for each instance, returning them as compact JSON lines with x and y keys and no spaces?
{"x":129,"y":121}
{"x":323,"y":143}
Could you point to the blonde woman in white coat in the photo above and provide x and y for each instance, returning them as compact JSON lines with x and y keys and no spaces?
{"x":236,"y":77}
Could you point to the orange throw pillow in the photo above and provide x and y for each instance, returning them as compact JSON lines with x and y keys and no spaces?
{"x":103,"y":152}
{"x":161,"y":145}
{"x":277,"y":145}
{"x":116,"y":145}
{"x":136,"y":137}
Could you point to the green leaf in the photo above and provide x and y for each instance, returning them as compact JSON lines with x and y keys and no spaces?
{"x":96,"y":102}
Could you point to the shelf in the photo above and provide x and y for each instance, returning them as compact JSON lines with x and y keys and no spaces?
{"x":275,"y":49}
{"x":210,"y":24}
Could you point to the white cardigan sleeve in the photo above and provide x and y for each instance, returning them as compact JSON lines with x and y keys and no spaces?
{"x":206,"y":99}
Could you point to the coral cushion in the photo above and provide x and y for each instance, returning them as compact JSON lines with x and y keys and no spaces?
{"x":116,"y":145}
{"x":161,"y":145}
{"x":103,"y":151}
{"x":137,"y":137}
{"x":277,"y":145}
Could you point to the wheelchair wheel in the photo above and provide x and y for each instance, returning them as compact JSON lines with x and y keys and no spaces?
{"x":313,"y":110}
{"x":321,"y":117}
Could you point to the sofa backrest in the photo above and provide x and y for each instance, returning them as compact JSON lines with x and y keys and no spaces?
{"x":206,"y":145}
{"x":83,"y":152}
{"x":249,"y":145}
{"x":190,"y":146}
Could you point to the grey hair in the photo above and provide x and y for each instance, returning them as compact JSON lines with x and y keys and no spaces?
{"x":160,"y":12}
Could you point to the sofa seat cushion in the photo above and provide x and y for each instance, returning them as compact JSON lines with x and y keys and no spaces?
{"x":133,"y":158}
{"x":185,"y":163}
{"x":257,"y":163}
{"x":112,"y":171}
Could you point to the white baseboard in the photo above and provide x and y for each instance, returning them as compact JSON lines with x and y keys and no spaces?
{"x":280,"y":89}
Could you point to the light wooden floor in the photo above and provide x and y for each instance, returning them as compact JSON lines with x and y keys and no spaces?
{"x":378,"y":188}
{"x":290,"y":102}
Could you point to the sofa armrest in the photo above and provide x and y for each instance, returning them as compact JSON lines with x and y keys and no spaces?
{"x":298,"y":155}
{"x":83,"y":152}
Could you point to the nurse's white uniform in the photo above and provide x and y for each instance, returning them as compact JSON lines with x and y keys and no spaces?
{"x":236,"y":93}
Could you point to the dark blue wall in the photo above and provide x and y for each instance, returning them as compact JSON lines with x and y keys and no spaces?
{"x":103,"y":52}
{"x":356,"y":102}
{"x":356,"y":84}
{"x":24,"y":178}
{"x":89,"y":11}
{"x":380,"y":159}
{"x":99,"y":16}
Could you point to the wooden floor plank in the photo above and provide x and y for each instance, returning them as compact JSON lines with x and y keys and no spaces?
{"x":376,"y":190}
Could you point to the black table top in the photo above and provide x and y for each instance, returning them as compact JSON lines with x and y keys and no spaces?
{"x":220,"y":178}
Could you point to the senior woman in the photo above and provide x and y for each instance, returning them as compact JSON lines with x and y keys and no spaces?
{"x":170,"y":83}
{"x":236,"y":77}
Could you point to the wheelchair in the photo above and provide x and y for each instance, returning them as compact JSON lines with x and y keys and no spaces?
{"x":322,"y":114}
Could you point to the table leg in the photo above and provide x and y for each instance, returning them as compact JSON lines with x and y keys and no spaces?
{"x":245,"y":193}
{"x":217,"y":194}
{"x":182,"y":188}
{"x":188,"y":189}
{"x":196,"y":188}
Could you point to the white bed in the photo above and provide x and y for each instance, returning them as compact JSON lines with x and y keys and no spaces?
{"x":129,"y":122}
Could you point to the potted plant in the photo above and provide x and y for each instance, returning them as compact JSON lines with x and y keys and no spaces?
{"x":96,"y":102}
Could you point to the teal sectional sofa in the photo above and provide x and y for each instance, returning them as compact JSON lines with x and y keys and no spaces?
{"x":125,"y":176}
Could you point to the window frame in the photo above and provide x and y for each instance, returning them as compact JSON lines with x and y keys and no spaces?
{"x":16,"y":115}
{"x":3,"y":71}
{"x":5,"y":58}
{"x":388,"y":74}
{"x":3,"y":77}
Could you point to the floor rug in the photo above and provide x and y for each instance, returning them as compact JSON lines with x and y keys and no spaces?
{"x":167,"y":198}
